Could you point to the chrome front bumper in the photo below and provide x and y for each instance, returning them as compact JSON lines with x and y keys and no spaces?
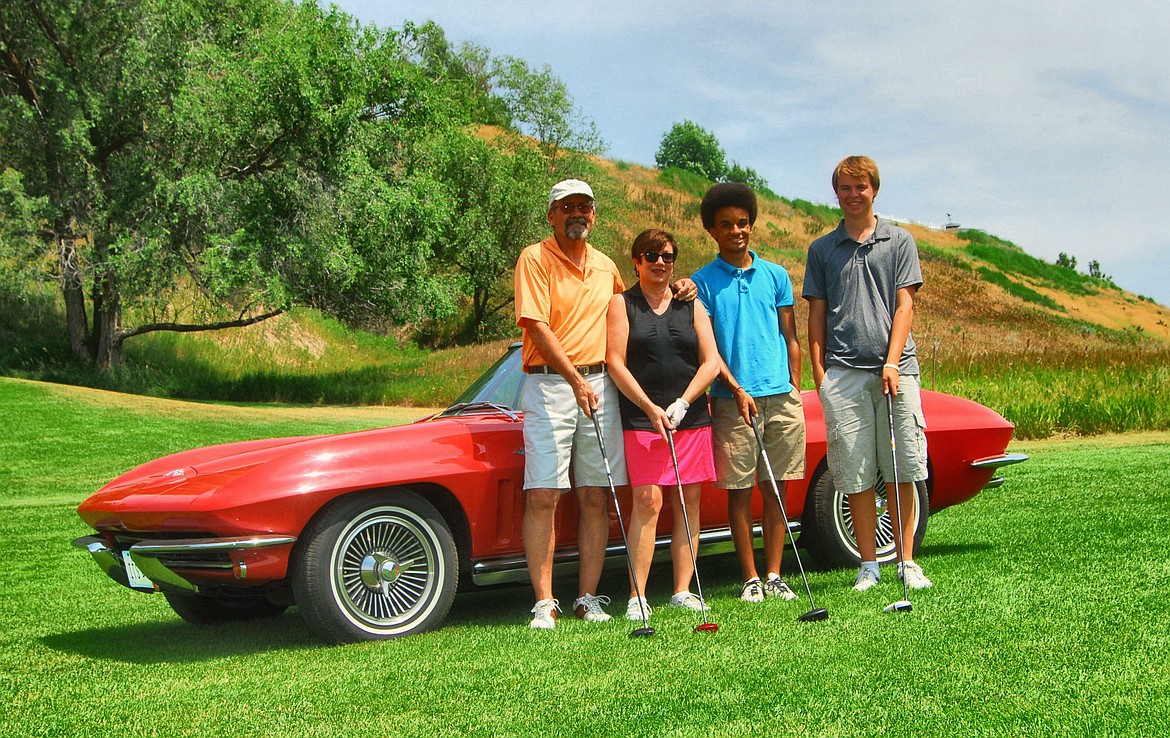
{"x":994,"y":462}
{"x":159,"y":560}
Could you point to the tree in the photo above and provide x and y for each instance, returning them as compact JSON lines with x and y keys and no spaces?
{"x":1095,"y":269}
{"x":747,"y":176}
{"x":20,"y":219}
{"x":225,"y":149}
{"x":540,"y":106}
{"x":1066,"y":260}
{"x":688,"y":146}
{"x":494,"y":192}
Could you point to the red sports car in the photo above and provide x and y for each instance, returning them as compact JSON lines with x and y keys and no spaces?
{"x":370,"y":533}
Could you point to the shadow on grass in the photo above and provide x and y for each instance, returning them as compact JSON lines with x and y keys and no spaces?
{"x":176,"y":641}
{"x":510,"y":604}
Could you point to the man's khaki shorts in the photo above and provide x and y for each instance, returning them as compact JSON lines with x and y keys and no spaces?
{"x":738,"y":461}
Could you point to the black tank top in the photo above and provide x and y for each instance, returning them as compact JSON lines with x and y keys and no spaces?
{"x":662,"y":353}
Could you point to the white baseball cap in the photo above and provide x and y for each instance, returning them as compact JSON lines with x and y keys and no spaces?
{"x":567,"y":187}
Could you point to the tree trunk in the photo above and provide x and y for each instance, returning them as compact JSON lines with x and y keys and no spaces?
{"x":76,"y":322}
{"x":107,"y":321}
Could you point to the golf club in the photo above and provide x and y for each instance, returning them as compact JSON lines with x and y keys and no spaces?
{"x":706,"y":626}
{"x":904,"y":604}
{"x":645,"y":630}
{"x":815,"y":613}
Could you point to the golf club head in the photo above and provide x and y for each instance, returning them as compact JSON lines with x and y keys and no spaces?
{"x":814,"y":615}
{"x":642,"y":632}
{"x":706,"y":628}
{"x":899,"y":606}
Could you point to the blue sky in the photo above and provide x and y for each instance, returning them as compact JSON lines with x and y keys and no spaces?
{"x":1041,"y":122}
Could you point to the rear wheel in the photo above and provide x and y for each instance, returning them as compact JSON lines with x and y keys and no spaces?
{"x":375,"y":566}
{"x":207,"y":609}
{"x":828,"y":524}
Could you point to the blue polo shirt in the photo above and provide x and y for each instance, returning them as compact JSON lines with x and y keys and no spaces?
{"x":743,"y":304}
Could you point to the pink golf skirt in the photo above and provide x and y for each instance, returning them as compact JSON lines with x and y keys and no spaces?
{"x":648,"y":457}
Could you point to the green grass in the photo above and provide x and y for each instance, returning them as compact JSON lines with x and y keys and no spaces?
{"x":1011,"y":259}
{"x":686,"y":182}
{"x":301,"y":357}
{"x":1049,"y":617}
{"x":1025,"y":293}
{"x":1063,"y":392}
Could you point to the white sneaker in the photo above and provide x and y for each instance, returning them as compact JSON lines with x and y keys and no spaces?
{"x":635,"y":607}
{"x":752,"y":591}
{"x":776,"y":587}
{"x":542,"y":615}
{"x":688,"y":600}
{"x":588,"y":608}
{"x":911,"y":573}
{"x":866,"y":578}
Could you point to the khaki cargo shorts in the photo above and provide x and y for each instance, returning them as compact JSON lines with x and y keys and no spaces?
{"x":738,"y":461}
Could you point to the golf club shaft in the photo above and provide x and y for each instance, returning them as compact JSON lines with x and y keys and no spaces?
{"x":621,"y":523}
{"x":687,"y":521}
{"x":783,"y":512}
{"x":900,"y":533}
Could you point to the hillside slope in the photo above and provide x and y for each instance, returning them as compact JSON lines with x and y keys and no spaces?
{"x":1014,"y":303}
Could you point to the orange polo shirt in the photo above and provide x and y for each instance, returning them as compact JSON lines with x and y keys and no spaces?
{"x":551,"y":289}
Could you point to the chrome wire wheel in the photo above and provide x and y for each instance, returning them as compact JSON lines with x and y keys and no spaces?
{"x":376,"y":566}
{"x":885,"y":525}
{"x":386,"y":567}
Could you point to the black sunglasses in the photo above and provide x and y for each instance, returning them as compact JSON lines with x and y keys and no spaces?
{"x":584,"y":208}
{"x":667,"y":257}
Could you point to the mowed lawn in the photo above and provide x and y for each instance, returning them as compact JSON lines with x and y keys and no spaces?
{"x":1050,"y":617}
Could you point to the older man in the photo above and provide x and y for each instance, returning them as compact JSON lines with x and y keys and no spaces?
{"x":563,"y":287}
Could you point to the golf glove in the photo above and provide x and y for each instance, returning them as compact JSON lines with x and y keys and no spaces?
{"x":676,"y":411}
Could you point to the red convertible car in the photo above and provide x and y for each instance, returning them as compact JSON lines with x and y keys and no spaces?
{"x":370,"y":533}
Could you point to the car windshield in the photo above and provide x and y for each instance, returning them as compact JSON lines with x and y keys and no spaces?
{"x":497,"y":389}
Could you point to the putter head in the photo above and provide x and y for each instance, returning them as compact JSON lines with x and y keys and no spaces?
{"x":899,"y":606}
{"x":814,"y":615}
{"x":706,"y":628}
{"x":642,"y":632}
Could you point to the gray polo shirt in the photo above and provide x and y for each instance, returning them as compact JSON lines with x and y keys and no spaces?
{"x":860,"y":282}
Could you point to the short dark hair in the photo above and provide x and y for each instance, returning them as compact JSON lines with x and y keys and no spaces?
{"x":651,"y":239}
{"x":728,"y":194}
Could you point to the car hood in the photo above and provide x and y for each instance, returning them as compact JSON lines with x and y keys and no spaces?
{"x":251,"y":473}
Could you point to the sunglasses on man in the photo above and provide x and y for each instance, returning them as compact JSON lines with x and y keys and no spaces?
{"x":584,"y":208}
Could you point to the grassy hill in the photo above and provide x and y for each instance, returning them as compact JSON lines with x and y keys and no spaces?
{"x":991,"y":319}
{"x":980,"y":291}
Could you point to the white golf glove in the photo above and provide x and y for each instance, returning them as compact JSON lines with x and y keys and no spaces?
{"x":676,"y":411}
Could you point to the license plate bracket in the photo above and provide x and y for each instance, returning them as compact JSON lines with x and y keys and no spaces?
{"x":134,"y":575}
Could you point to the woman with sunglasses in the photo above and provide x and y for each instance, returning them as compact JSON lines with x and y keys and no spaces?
{"x":661,"y":354}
